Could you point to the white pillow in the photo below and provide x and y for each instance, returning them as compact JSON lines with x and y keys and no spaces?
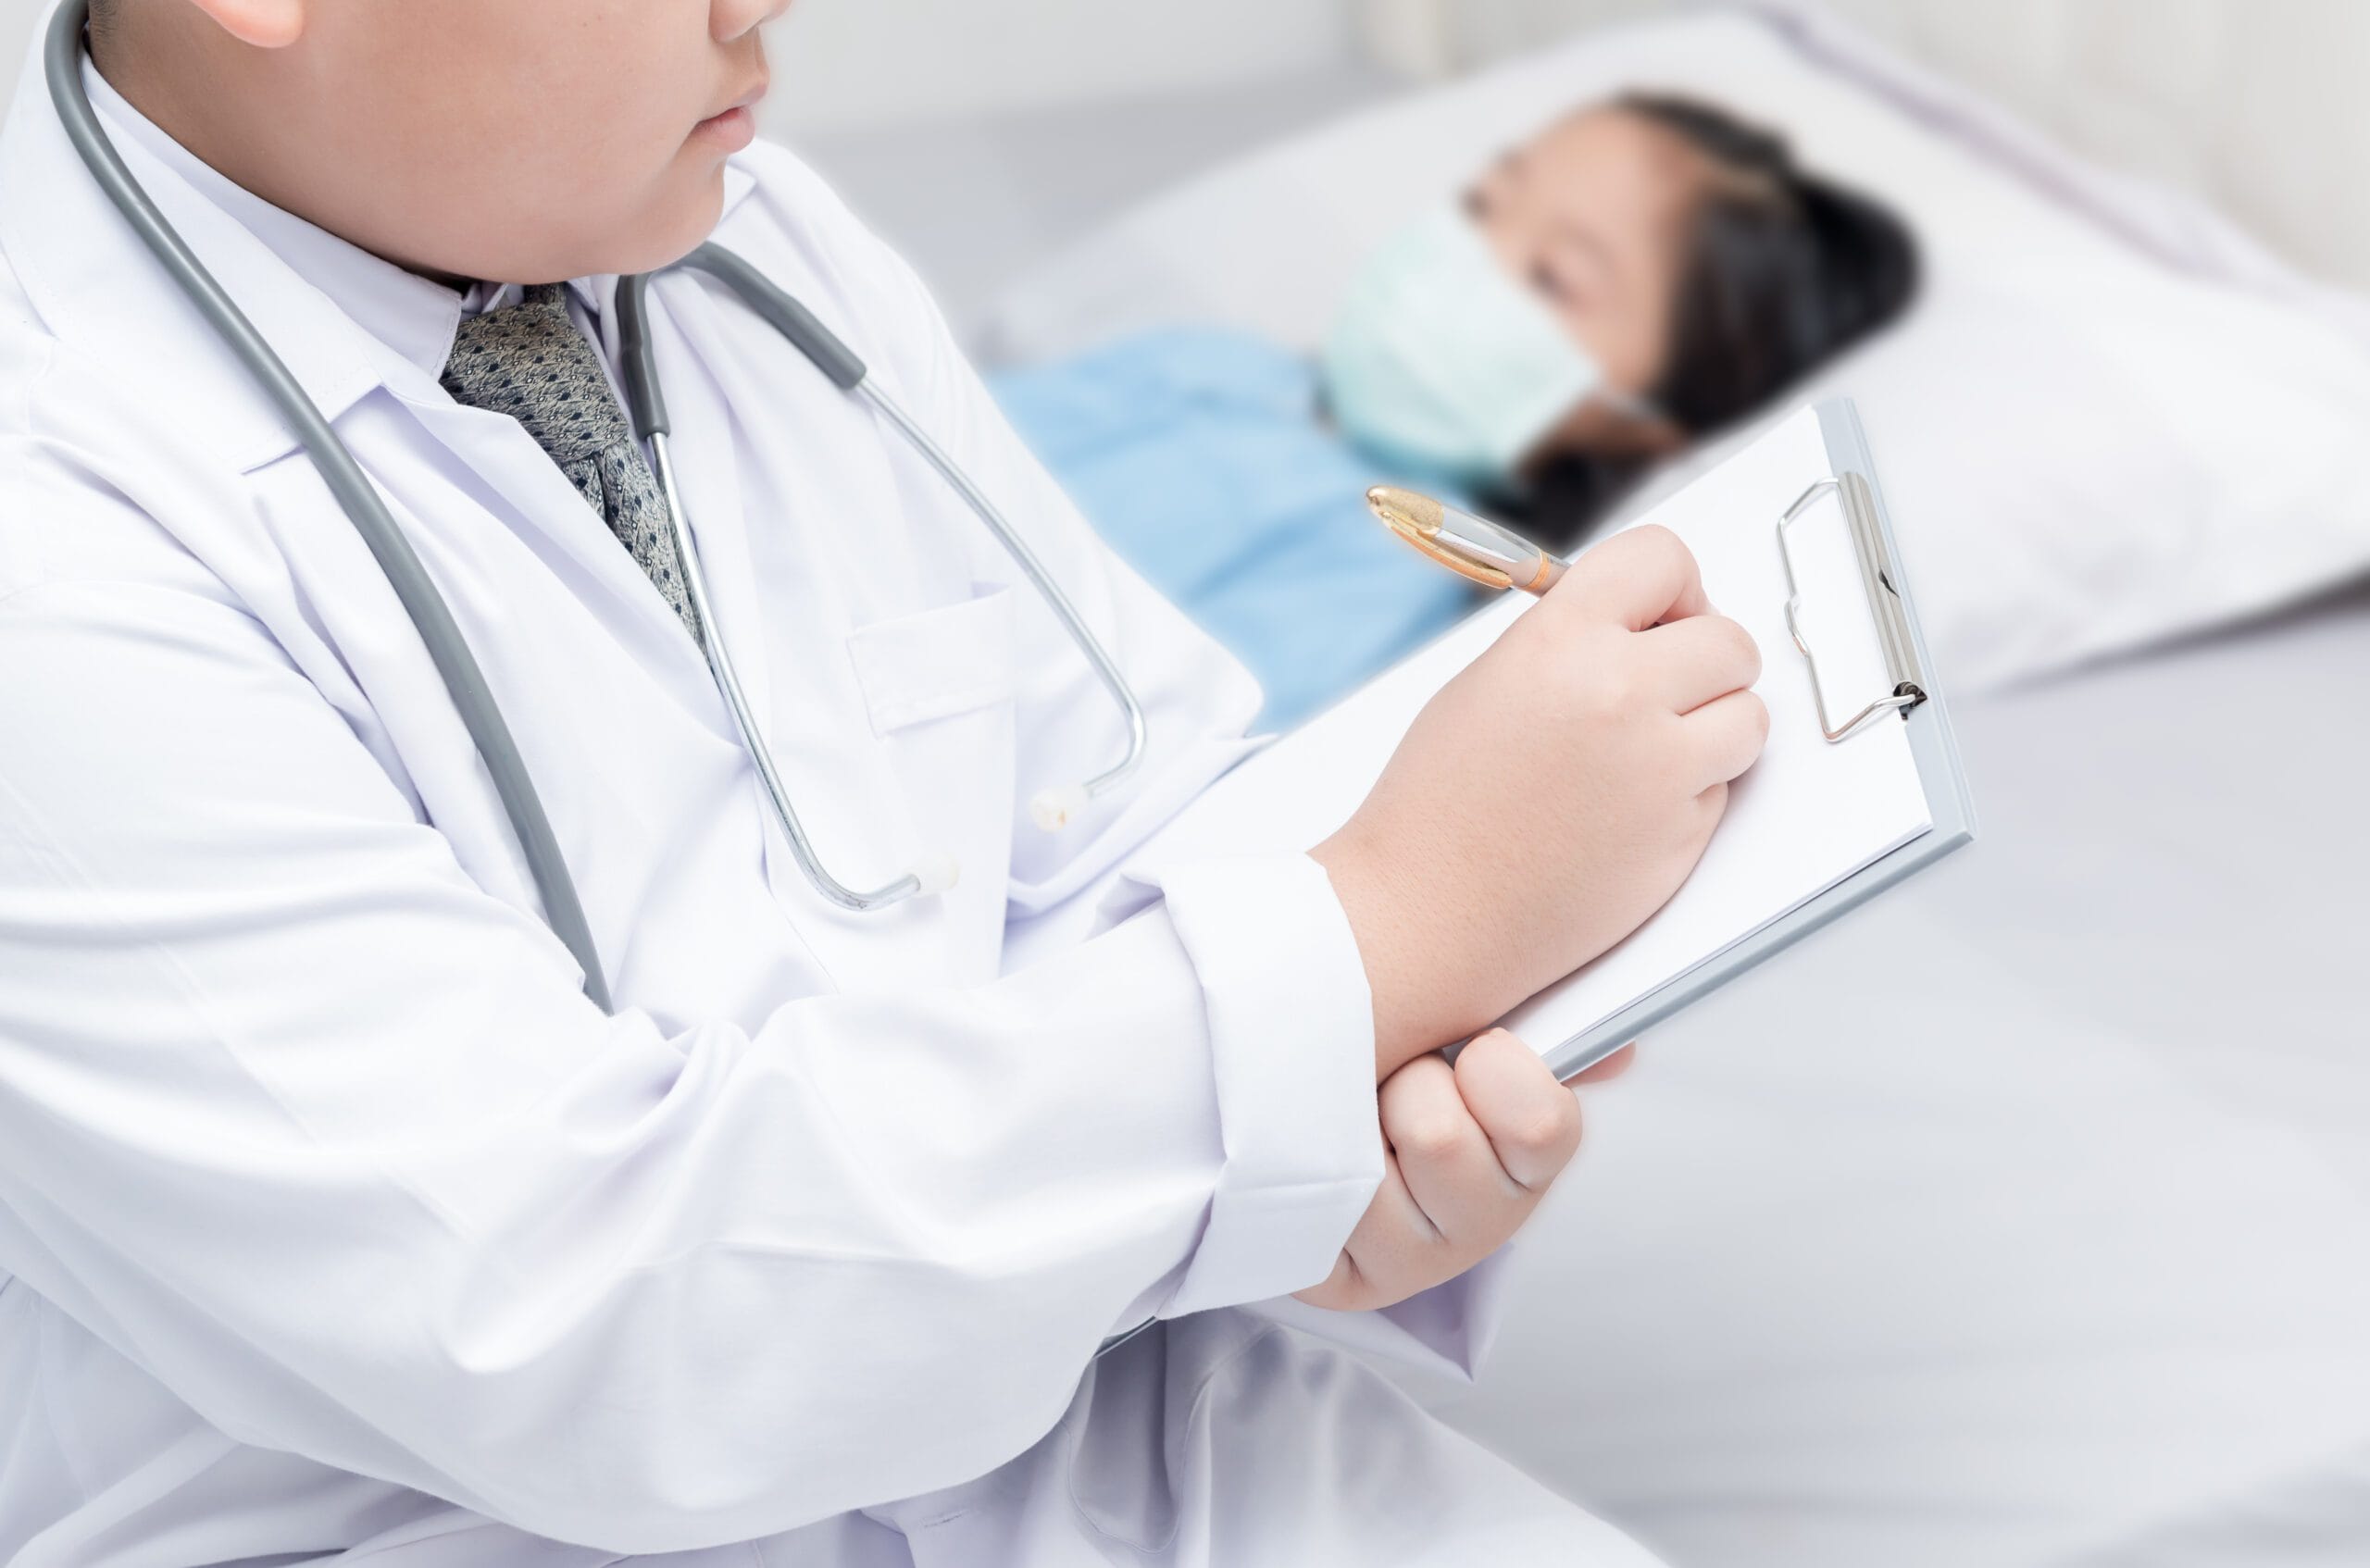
{"x":2087,"y":443}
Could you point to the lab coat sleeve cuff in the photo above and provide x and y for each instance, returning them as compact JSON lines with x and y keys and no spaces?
{"x":1291,"y":1048}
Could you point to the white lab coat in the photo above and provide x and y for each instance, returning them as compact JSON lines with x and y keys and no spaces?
{"x":333,"y":1216}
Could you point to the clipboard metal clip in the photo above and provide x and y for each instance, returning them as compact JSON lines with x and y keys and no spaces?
{"x":1876,"y":575}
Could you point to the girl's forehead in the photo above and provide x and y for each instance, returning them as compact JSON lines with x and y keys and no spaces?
{"x":1608,"y":150}
{"x":1615,"y":181}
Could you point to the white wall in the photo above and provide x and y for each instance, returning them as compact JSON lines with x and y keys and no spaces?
{"x":848,"y":64}
{"x":1438,"y":37}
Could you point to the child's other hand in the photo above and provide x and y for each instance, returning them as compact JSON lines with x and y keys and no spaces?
{"x":1469,"y":1152}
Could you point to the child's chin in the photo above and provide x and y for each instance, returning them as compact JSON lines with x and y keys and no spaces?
{"x":675,"y":231}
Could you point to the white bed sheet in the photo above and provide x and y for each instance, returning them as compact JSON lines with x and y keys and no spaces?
{"x":2024,"y":1215}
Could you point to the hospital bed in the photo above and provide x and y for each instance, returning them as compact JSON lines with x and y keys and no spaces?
{"x":2022,"y":1217}
{"x":2025,"y":1218}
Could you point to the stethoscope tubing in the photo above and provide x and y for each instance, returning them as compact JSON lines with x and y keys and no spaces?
{"x":646,"y":407}
{"x":845,"y":370}
{"x":447,"y":649}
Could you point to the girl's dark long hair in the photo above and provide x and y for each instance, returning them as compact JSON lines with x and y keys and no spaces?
{"x":1782,"y":271}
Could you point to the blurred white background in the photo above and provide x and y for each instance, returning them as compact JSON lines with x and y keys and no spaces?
{"x":980,"y":134}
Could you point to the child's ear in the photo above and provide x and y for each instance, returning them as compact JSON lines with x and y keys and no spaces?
{"x":265,"y":24}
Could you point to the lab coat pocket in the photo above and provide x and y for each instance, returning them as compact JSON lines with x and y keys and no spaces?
{"x":938,"y":686}
{"x":935,"y":663}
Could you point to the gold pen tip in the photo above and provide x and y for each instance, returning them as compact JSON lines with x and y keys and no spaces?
{"x":1405,"y":511}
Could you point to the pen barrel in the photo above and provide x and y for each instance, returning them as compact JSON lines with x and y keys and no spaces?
{"x":1498,"y":551}
{"x":1474,"y":548}
{"x":1546,"y":574}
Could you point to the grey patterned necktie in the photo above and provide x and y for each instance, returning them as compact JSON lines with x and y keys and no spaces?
{"x":529,"y":361}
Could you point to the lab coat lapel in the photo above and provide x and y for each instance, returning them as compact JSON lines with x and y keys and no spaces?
{"x":575,"y":541}
{"x":96,"y":286}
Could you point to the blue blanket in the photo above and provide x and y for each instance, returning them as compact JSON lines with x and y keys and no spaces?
{"x":1200,"y":457}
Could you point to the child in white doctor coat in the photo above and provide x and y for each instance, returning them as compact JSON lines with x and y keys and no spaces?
{"x":332,"y":1217}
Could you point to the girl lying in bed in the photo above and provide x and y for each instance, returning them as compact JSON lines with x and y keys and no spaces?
{"x":1632,"y":278}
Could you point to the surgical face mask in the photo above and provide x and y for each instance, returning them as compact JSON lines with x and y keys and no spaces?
{"x":1441,"y":363}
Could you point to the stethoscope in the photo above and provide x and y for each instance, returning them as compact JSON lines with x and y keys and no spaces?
{"x":646,"y":409}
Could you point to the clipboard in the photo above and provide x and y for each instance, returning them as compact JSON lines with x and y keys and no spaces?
{"x":1802,"y":490}
{"x":1914,"y":700}
{"x":1908,"y":697}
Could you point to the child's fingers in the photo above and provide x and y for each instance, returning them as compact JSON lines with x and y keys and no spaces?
{"x":1701,"y":659}
{"x":1471,"y":1150}
{"x":1387,"y":1248}
{"x":1726,"y":736}
{"x":1532,"y":1122}
{"x":1639,"y":578}
{"x":1446,"y":1157}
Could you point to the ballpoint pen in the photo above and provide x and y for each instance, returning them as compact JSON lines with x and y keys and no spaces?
{"x":1474,"y":548}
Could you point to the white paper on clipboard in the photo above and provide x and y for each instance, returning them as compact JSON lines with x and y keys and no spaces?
{"x":1809,"y":815}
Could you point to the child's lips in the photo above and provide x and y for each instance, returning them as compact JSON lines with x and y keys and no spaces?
{"x":732,"y":130}
{"x":735,"y":125}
